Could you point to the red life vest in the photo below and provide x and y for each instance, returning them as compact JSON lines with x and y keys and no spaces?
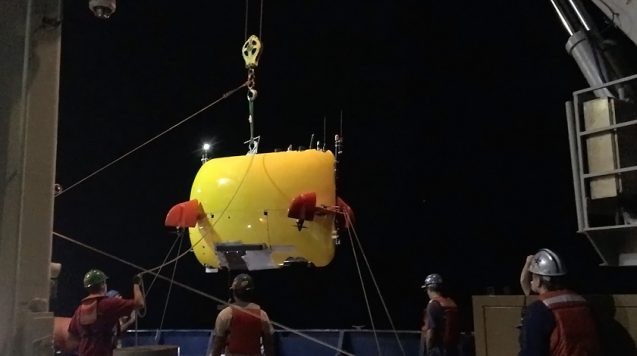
{"x":575,"y":332}
{"x":451,"y":331}
{"x":245,"y":331}
{"x":88,"y":314}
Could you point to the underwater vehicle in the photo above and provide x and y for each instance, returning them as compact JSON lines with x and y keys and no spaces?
{"x":263,"y":211}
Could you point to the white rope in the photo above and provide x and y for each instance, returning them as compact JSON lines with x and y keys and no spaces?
{"x":196,"y":291}
{"x":351,"y":231}
{"x":224,"y":96}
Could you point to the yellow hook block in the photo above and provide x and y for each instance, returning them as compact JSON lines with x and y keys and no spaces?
{"x":251,"y":51}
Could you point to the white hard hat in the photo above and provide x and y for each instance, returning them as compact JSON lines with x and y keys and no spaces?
{"x":547,"y":263}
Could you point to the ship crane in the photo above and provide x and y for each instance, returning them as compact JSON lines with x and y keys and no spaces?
{"x":602,"y":125}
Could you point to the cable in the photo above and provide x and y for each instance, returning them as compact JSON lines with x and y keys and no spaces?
{"x":224,"y":96}
{"x":369,"y":268}
{"x":246,"y":22}
{"x":176,"y":258}
{"x":170,"y":288}
{"x":261,"y":22}
{"x":196,"y":291}
{"x":164,"y":262}
{"x":369,"y":310}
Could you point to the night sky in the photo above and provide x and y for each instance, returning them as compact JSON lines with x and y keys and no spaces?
{"x":455,"y":159}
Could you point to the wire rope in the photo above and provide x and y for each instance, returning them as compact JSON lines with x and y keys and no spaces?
{"x":224,"y":96}
{"x":360,"y":276}
{"x":352,"y":231}
{"x":170,"y":288}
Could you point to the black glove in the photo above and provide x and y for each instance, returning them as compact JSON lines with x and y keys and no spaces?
{"x":137,"y":279}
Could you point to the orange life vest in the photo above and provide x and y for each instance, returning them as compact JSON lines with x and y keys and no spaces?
{"x":451,"y":331}
{"x":88,"y":309}
{"x":575,"y":332}
{"x":245,"y":331}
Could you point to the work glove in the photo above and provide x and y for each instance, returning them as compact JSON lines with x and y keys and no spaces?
{"x":137,"y":279}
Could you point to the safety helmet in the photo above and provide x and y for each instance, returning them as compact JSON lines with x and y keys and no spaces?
{"x":547,"y":263}
{"x":242,"y":283}
{"x":432,"y":279}
{"x":94,"y":277}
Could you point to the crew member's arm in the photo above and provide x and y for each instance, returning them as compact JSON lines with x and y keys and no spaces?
{"x":525,"y":276}
{"x":218,"y":345}
{"x":429,"y":337}
{"x":433,"y":314}
{"x":267,"y":334}
{"x":537,"y":326}
{"x":423,"y":343}
{"x":73,"y":338}
{"x":222,"y":324}
{"x":138,"y":296}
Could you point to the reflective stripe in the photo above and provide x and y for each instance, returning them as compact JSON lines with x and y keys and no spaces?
{"x":564,"y":298}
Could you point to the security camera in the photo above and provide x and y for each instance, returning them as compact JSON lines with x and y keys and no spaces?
{"x":102,"y":9}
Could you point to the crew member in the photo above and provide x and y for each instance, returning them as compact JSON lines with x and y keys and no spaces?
{"x":242,"y":327}
{"x":96,"y":317}
{"x":560,"y":322}
{"x":440,"y":334}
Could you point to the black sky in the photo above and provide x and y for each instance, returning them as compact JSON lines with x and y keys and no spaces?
{"x":456,"y":151}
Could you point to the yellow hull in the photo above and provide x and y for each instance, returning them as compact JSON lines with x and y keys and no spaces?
{"x":246,"y":199}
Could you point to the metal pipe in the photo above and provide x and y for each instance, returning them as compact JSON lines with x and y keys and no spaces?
{"x":590,"y":62}
{"x":572,"y":139}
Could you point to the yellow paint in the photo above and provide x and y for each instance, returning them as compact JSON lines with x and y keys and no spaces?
{"x":246,"y":200}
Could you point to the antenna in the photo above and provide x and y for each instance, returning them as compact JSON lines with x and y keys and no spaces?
{"x":338,"y":146}
{"x":338,"y":140}
{"x":324,"y":131}
{"x":341,"y":128}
